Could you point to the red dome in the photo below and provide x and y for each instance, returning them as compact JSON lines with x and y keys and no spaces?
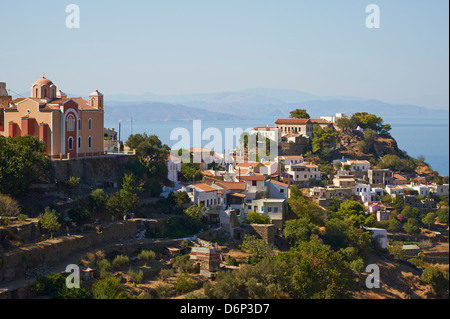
{"x":43,"y":81}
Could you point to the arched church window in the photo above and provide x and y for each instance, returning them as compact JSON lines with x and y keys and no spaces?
{"x":70,"y":123}
{"x":70,"y":142}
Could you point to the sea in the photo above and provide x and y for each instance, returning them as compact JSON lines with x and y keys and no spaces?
{"x":418,"y":136}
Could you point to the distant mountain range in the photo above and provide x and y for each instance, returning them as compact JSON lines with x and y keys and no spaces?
{"x":249,"y":104}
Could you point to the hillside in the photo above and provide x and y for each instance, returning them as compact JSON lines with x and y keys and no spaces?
{"x":348,"y":146}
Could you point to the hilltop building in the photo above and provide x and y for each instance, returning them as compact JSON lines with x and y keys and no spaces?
{"x":69,"y":127}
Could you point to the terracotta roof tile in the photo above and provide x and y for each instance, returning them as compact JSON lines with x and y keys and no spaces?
{"x":293,"y":121}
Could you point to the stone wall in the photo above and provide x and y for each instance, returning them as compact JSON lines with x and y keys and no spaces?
{"x":91,"y":170}
{"x":15,"y":263}
{"x":298,"y":148}
{"x":261,"y":231}
{"x":28,"y":231}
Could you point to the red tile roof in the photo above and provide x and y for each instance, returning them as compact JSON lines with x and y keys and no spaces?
{"x":252,"y":178}
{"x":293,"y":121}
{"x":320,"y":121}
{"x":205,"y":187}
{"x":232,"y":185}
{"x":278,"y":183}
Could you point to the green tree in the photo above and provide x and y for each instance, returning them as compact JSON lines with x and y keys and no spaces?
{"x":429,"y":219}
{"x":131,"y":185}
{"x":22,"y":162}
{"x":355,"y":212}
{"x":122,"y":203}
{"x":437,"y":278}
{"x":49,"y":221}
{"x":183,"y":263}
{"x":191,"y":172}
{"x":120,"y":260}
{"x":298,"y":230}
{"x":185,"y":284}
{"x":195,"y":212}
{"x":303,"y":208}
{"x":257,"y":248}
{"x":324,"y":139}
{"x":347,"y":123}
{"x":256,"y":218}
{"x":97,"y":202}
{"x":442,"y":215}
{"x":146,"y":256}
{"x":312,"y":270}
{"x":396,"y":250}
{"x":299,"y":114}
{"x":394,"y":226}
{"x":181,"y":198}
{"x":79,"y":215}
{"x":411,"y":226}
{"x":148,"y":148}
{"x":135,"y":277}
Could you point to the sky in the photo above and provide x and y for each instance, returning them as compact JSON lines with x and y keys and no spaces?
{"x":209,"y":46}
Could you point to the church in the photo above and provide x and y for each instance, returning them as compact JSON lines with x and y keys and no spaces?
{"x":69,"y":127}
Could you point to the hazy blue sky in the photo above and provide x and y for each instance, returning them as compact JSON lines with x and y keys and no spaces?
{"x":206,"y":46}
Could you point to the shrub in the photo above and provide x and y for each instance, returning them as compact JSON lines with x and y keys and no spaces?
{"x":79,"y":215}
{"x":417,"y":262}
{"x":109,"y":288}
{"x":185,"y":284}
{"x":166,"y":273}
{"x":8,"y":206}
{"x":22,"y":217}
{"x":396,"y":250}
{"x":232,"y":262}
{"x":255,"y":218}
{"x":194,"y":295}
{"x":437,"y":279}
{"x":72,"y":182}
{"x":120,"y":261}
{"x":135,"y":277}
{"x":183,"y":263}
{"x":55,"y":286}
{"x":146,"y":255}
{"x":164,"y":291}
{"x":104,"y":266}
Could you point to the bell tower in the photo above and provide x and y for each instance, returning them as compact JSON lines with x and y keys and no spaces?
{"x":96,"y":100}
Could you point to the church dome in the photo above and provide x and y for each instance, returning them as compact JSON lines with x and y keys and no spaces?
{"x":44,"y":81}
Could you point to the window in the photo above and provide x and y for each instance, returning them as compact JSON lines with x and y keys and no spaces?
{"x":269,"y":209}
{"x":70,"y":142}
{"x":90,"y":124}
{"x":253,"y":183}
{"x":282,"y":190}
{"x":275,"y":209}
{"x":70,"y":123}
{"x":79,"y":124}
{"x":90,"y":142}
{"x":249,"y":207}
{"x":79,"y":142}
